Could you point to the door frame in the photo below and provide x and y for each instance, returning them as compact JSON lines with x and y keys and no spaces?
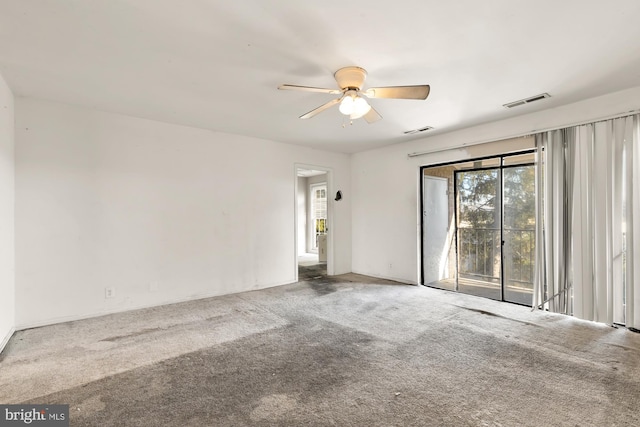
{"x":330,"y":216}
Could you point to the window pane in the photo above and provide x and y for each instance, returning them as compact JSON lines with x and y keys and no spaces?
{"x":519,"y":233}
{"x":479,"y":242}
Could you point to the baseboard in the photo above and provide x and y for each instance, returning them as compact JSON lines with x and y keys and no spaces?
{"x":6,"y":339}
{"x":75,"y":317}
{"x":395,"y":279}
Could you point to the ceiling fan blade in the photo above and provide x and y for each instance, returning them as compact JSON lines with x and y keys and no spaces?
{"x":310,"y":89}
{"x":372,"y":116}
{"x":320,"y":109}
{"x":399,"y":92}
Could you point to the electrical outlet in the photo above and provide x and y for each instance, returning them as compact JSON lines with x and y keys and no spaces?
{"x":153,"y":286}
{"x":109,"y":292}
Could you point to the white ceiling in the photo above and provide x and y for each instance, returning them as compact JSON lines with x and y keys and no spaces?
{"x":217,"y":64}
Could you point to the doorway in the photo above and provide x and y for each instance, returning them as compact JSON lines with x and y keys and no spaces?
{"x":312,"y":222}
{"x":317,"y":224}
{"x":478,"y":227}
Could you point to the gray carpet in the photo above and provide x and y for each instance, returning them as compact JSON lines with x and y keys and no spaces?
{"x":314,"y":273}
{"x":343,"y":351}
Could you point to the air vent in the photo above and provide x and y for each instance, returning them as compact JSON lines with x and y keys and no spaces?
{"x":527,"y":100}
{"x":411,"y":132}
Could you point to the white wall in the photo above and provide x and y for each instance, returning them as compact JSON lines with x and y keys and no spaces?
{"x":385,"y":181}
{"x":105,"y":200}
{"x":7,"y":283}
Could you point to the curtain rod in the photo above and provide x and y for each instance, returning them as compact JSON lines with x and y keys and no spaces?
{"x":525,"y":134}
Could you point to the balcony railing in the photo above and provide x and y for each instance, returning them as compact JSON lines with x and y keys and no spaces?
{"x":480,"y":249}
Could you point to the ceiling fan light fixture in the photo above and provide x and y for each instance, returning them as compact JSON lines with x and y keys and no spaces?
{"x":347,"y":105}
{"x":360,"y":108}
{"x":354,"y":106}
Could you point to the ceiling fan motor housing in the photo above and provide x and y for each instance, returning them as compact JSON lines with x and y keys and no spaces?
{"x":350,"y":77}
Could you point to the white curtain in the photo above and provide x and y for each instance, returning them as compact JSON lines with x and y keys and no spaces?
{"x":589,"y":221}
{"x":632,"y":214}
{"x":553,"y":254}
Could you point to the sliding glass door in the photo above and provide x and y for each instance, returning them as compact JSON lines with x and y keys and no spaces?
{"x":519,"y":223}
{"x":489,"y":249}
{"x":478,"y":232}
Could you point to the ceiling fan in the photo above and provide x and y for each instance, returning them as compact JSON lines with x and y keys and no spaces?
{"x":351,"y":100}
